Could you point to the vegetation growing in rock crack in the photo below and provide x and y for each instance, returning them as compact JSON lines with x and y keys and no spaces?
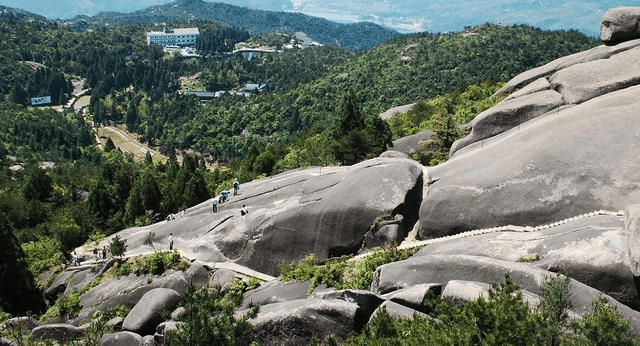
{"x":343,"y":273}
{"x":209,"y":317}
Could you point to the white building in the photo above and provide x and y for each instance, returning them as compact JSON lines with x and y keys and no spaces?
{"x":174,"y":37}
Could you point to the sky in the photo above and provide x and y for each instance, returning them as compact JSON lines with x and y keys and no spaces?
{"x":402,"y":15}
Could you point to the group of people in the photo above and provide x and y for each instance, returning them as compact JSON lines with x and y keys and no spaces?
{"x":75,"y":258}
{"x":224,"y":195}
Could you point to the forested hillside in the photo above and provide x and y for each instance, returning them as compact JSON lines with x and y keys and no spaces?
{"x":360,"y":36}
{"x":322,"y":109}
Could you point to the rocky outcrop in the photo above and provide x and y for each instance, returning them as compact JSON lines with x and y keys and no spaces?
{"x":275,"y":292}
{"x":589,"y":80}
{"x":59,"y":332}
{"x":592,"y":248}
{"x":222,"y":278}
{"x":508,"y":114}
{"x":147,"y":314}
{"x":444,"y":268}
{"x":295,"y":322}
{"x":121,"y":339}
{"x":412,"y":144}
{"x":325,"y":211}
{"x":551,"y":168}
{"x":620,"y":24}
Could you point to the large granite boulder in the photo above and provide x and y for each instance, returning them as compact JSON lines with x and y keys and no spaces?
{"x":551,"y":168}
{"x":296,"y":322}
{"x":444,"y":268}
{"x":61,"y":332}
{"x":588,"y":80}
{"x":128,"y":290}
{"x":593,"y":249}
{"x":121,"y":339}
{"x":321,"y":210}
{"x":147,"y":314}
{"x":596,"y":53}
{"x":275,"y":292}
{"x":412,"y":144}
{"x":620,"y":24}
{"x":508,"y":114}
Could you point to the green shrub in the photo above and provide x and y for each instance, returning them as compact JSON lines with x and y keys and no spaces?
{"x":43,"y":254}
{"x":68,"y":306}
{"x":342,"y":273}
{"x":209,"y":320}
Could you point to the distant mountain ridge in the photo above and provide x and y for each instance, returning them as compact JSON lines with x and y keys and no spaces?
{"x":400,"y":15}
{"x":360,"y":36}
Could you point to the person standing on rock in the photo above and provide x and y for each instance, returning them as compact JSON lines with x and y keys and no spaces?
{"x":244,"y":211}
{"x":76,"y":260}
{"x":171,"y":241}
{"x":104,"y":252}
{"x":236,"y":186}
{"x":215,"y":202}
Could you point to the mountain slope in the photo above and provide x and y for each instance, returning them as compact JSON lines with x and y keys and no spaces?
{"x":360,"y":36}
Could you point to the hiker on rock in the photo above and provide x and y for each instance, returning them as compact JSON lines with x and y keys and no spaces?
{"x":236,"y":186}
{"x":171,"y":241}
{"x":215,"y":202}
{"x":104,"y":252}
{"x":244,"y":211}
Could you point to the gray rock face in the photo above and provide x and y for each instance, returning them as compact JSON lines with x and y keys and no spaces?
{"x":121,"y":339}
{"x":162,"y":331}
{"x":540,"y":84}
{"x":295,"y":322}
{"x":444,"y":268}
{"x":593,"y":249}
{"x":275,"y":292}
{"x":385,"y":232}
{"x":59,"y":285}
{"x":586,"y":81}
{"x":115,"y":323}
{"x":460,"y":291}
{"x":367,"y":301}
{"x":24,"y":324}
{"x":147,"y":314}
{"x":397,"y":310}
{"x":325,"y":211}
{"x":563,"y":166}
{"x":508,"y":114}
{"x":414,"y":296}
{"x":620,"y":24}
{"x":129,"y":290}
{"x":632,"y":227}
{"x":60,"y":332}
{"x":596,"y":53}
{"x":223,"y":278}
{"x":412,"y":144}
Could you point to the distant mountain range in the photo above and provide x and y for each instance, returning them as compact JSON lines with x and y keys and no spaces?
{"x":359,"y":36}
{"x":401,"y":15}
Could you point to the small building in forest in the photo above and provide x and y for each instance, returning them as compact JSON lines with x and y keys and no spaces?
{"x":181,"y":37}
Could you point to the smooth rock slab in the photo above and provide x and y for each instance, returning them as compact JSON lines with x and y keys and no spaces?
{"x":593,"y":249}
{"x":296,"y":322}
{"x":552,"y":168}
{"x":121,"y":339}
{"x":275,"y":292}
{"x":321,"y":210}
{"x":444,"y":268}
{"x":413,"y":297}
{"x":60,"y":332}
{"x":620,"y":24}
{"x":508,"y":114}
{"x":147,"y":314}
{"x":396,"y":310}
{"x":589,"y":80}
